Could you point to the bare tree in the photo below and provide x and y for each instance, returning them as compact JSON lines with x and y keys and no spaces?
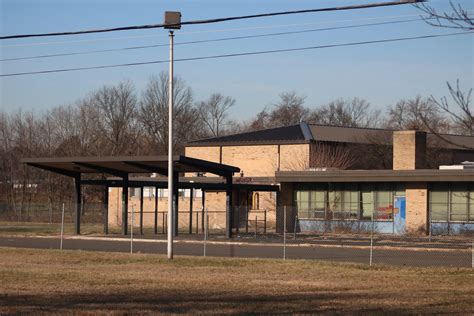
{"x":259,"y":122}
{"x":214,"y":112}
{"x":154,"y":113}
{"x":290,"y":110}
{"x":117,"y":107}
{"x":354,"y":112}
{"x":321,"y":156}
{"x":462,"y":117}
{"x":416,"y":114}
{"x":459,"y":18}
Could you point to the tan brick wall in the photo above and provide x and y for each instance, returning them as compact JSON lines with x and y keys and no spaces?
{"x":294,"y":157}
{"x":254,"y":161}
{"x":211,"y":153}
{"x":115,"y":209}
{"x":409,"y":150}
{"x":205,"y":153}
{"x":417,"y":208}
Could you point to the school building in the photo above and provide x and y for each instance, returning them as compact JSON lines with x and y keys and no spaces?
{"x":322,"y":178}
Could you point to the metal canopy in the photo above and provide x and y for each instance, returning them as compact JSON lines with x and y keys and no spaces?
{"x":123,"y":166}
{"x":205,"y":183}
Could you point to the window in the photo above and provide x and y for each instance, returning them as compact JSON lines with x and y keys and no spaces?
{"x":311,"y":204}
{"x":255,"y":201}
{"x":451,"y":203}
{"x":368,"y":201}
{"x":439,"y":205}
{"x":459,"y":210}
{"x":350,"y":202}
{"x":347,"y":201}
{"x":384,"y":203}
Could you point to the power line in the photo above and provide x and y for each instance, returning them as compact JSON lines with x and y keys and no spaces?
{"x":210,"y":31}
{"x":237,"y":54}
{"x":217,"y":20}
{"x":207,"y":41}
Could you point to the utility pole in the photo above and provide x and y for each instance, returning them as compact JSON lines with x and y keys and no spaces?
{"x":172,"y":22}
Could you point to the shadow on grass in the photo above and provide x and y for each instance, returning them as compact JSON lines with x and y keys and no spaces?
{"x":173,"y":301}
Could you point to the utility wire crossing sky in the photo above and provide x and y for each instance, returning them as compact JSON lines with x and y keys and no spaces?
{"x":382,"y":73}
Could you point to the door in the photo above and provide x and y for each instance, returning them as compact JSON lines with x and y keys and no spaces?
{"x":399,"y":214}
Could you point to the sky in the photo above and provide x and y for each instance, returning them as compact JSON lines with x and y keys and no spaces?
{"x":380,"y":73}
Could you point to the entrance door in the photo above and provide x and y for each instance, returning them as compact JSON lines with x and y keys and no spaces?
{"x":399,"y":214}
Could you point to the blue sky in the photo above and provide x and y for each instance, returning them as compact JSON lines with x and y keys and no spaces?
{"x":380,"y":73}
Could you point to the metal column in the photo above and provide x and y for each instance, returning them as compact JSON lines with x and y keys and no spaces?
{"x":229,"y":213}
{"x":77,"y":217}
{"x":175,"y":203}
{"x":191,"y":198}
{"x":156,"y":211}
{"x":141,"y":210}
{"x":105,"y":210}
{"x":125,"y":205}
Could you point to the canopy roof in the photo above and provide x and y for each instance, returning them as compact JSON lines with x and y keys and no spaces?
{"x":123,"y":166}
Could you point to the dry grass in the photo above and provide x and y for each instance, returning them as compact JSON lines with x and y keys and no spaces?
{"x":40,"y":228}
{"x":45,"y":281}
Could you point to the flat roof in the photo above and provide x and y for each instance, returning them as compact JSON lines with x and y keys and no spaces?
{"x":345,"y":176}
{"x":125,"y":165}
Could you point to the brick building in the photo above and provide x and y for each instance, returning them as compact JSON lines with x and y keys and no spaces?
{"x":390,"y":176}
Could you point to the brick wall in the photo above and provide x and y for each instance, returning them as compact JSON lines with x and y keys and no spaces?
{"x":417,"y":208}
{"x":409,"y":150}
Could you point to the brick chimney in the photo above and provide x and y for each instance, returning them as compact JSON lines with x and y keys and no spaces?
{"x":409,"y":150}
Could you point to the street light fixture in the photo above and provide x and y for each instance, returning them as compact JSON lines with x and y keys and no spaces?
{"x":172,"y":22}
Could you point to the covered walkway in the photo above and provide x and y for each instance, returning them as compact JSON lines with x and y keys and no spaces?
{"x":123,"y":167}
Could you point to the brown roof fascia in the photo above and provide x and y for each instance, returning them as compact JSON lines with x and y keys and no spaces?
{"x":345,"y":176}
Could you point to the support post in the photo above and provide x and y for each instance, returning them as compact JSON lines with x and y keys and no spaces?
{"x":125,"y":206}
{"x":176,"y":202}
{"x":229,"y":206}
{"x":77,"y":217}
{"x":156,"y":211}
{"x":106,"y":210}
{"x":141,"y":210}
{"x":191,"y":198}
{"x":203,"y":197}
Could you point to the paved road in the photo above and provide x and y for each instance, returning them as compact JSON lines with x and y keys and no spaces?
{"x":381,"y":255}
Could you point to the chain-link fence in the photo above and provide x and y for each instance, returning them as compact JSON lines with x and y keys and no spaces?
{"x":281,"y":233}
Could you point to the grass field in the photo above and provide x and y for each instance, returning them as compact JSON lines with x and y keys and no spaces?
{"x":45,"y":281}
{"x":40,"y":228}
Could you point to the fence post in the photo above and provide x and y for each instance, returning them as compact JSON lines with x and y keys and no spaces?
{"x":284,"y":232}
{"x":246,"y":219}
{"x":62,"y":228}
{"x":430,"y":226}
{"x":197,"y":223}
{"x":472,"y":254}
{"x":206,"y":228}
{"x":131,"y":233}
{"x":265,"y":221}
{"x":236,"y":218}
{"x":256,"y":226}
{"x":295,"y":226}
{"x":372,"y":241}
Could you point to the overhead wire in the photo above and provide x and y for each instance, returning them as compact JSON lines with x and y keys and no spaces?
{"x":216,"y":20}
{"x":239,"y":54}
{"x":181,"y":33}
{"x":207,"y":41}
